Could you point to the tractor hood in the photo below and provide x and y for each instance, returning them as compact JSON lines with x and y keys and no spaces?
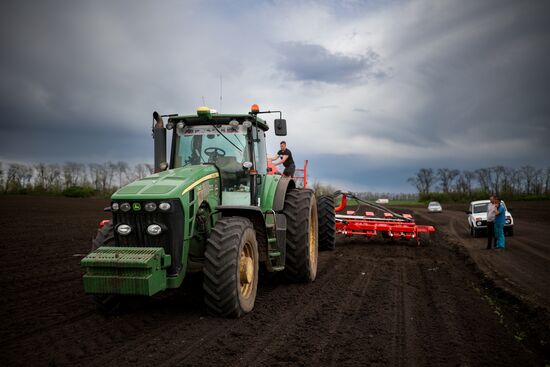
{"x":167,"y":184}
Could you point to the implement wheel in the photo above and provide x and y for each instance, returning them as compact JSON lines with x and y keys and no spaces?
{"x":301,"y":236}
{"x":231,"y":268}
{"x":108,"y":304}
{"x":327,"y":223}
{"x":425,"y":239}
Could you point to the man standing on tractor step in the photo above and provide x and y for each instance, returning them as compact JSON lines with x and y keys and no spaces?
{"x":285,"y":156}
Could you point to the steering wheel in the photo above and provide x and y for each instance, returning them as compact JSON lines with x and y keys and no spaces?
{"x":214,"y":152}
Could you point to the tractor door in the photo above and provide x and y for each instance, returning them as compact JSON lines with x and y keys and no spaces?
{"x":260,"y":158}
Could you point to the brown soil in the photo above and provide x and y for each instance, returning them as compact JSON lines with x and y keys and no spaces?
{"x":373,"y":303}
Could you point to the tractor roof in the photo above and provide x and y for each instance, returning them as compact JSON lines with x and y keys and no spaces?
{"x":219,"y":119}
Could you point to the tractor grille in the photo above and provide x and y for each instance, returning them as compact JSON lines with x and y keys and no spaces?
{"x":171,"y":239}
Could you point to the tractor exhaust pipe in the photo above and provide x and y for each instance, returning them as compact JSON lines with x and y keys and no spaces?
{"x":159,"y":138}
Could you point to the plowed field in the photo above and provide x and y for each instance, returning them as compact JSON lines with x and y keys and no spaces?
{"x":373,"y":303}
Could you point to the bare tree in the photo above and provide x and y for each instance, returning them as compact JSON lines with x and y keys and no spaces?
{"x":538,"y":182}
{"x":53,"y":177}
{"x":529,"y":174}
{"x":1,"y":177}
{"x":141,"y":170}
{"x":546,"y":181}
{"x":121,"y":168}
{"x":446,"y":177}
{"x":484,"y":178}
{"x":469,"y":177}
{"x":41,"y":172}
{"x":321,"y":189}
{"x":498,"y":176}
{"x":27,"y":174}
{"x":423,"y":180}
{"x":18,"y":177}
{"x":74,"y":174}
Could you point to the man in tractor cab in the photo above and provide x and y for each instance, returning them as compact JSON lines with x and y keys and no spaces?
{"x":285,"y":156}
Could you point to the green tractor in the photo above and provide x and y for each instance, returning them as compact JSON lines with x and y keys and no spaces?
{"x":212,"y":208}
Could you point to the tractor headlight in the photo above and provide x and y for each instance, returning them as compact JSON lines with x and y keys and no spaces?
{"x":164,"y":206}
{"x":478,"y":223}
{"x":154,"y":229}
{"x":508,"y":221}
{"x":150,"y":207}
{"x":125,"y":207}
{"x":123,"y":229}
{"x":114,"y":207}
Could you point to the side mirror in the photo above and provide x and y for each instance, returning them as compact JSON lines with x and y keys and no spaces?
{"x":280,"y":127}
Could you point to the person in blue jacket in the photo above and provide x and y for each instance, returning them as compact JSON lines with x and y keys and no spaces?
{"x":500,"y":220}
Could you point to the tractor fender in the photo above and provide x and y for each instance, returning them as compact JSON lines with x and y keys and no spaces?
{"x":285,"y":184}
{"x":255,"y":215}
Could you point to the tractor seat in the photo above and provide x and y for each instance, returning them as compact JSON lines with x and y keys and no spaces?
{"x":228,"y":164}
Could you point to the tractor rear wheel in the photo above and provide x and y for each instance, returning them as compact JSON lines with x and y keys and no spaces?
{"x":301,"y":236}
{"x":231,"y":268}
{"x":109,"y":304}
{"x":327,"y":222}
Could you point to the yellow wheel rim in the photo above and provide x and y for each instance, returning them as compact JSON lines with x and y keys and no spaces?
{"x":312,"y":240}
{"x":246,"y":270}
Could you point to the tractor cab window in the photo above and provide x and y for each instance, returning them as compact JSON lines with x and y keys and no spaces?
{"x":223,"y":145}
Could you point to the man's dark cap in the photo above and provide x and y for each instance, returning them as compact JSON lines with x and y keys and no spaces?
{"x":283,"y":142}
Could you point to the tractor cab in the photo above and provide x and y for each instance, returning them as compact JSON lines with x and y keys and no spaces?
{"x":234,"y":144}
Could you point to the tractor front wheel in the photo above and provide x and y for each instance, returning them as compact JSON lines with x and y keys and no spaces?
{"x":231,"y":268}
{"x":327,"y":223}
{"x":301,"y":236}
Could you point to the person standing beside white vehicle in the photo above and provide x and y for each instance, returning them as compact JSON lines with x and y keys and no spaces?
{"x":500,"y":220}
{"x":491,"y":212}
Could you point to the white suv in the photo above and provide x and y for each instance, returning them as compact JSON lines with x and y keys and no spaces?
{"x":477,"y":218}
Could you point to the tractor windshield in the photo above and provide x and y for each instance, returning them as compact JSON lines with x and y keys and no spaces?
{"x":223,"y":145}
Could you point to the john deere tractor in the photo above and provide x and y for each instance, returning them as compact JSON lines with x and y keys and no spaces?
{"x":210,"y":208}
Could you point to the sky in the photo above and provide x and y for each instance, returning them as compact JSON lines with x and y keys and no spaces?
{"x":372,"y":91}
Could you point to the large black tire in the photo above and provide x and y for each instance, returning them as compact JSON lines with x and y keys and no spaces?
{"x":301,"y":235}
{"x":510,"y":231}
{"x":231,"y":268}
{"x":476,"y":233}
{"x":327,"y":222}
{"x":108,"y":304}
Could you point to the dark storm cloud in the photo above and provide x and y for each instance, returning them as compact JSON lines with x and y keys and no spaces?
{"x":481,"y":69}
{"x":314,"y":63}
{"x":421,"y":83}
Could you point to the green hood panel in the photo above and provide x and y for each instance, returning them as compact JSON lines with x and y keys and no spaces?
{"x":167,"y":184}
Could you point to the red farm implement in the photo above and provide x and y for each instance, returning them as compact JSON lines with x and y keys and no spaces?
{"x":377,"y":221}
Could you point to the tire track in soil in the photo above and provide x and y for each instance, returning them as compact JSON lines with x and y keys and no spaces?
{"x":209,"y":334}
{"x":354,"y":305}
{"x":274,"y":324}
{"x":320,"y":324}
{"x":399,"y":351}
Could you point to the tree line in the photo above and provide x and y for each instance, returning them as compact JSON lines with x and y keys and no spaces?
{"x":101,"y":178}
{"x":452,"y":184}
